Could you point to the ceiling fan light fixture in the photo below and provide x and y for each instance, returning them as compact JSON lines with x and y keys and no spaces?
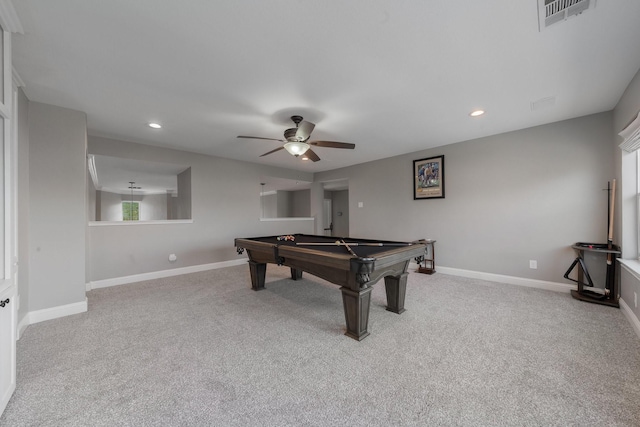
{"x":296,"y":148}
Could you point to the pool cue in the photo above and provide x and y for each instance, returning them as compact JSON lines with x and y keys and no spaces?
{"x":348,"y":248}
{"x":352,"y":244}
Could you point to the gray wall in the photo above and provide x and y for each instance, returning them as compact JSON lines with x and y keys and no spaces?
{"x":153,"y":207}
{"x":270,"y":205}
{"x":23,"y":205}
{"x":300,"y":203}
{"x":57,"y":206}
{"x":220,"y":212}
{"x":183,"y":202}
{"x":284,"y":204}
{"x":110,"y":206}
{"x":510,"y":198}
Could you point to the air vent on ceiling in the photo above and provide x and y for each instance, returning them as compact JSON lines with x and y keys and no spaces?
{"x":541,"y":103}
{"x":553,"y":11}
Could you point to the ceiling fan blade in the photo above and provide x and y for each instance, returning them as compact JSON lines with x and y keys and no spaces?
{"x":273,"y":151}
{"x":304,"y":130}
{"x":311,"y":155}
{"x":259,"y":137}
{"x":332,"y":144}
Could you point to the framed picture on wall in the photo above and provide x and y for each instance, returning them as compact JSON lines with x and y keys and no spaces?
{"x":428,"y":178}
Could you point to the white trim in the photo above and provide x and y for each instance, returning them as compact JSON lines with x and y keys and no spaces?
{"x":159,"y":222}
{"x":8,"y":18}
{"x":105,"y":283}
{"x":17,"y":80}
{"x":637,"y":204}
{"x":632,"y":266}
{"x":510,"y":280}
{"x":53,"y":313}
{"x":91,"y":162}
{"x":293,"y":218}
{"x":631,"y":136}
{"x":628,"y":313}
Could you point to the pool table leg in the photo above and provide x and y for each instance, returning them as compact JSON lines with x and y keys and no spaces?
{"x":356,"y":311}
{"x":296,"y":274}
{"x":258,"y":271}
{"x":396,"y":287}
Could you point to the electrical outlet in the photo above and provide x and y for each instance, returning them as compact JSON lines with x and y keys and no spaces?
{"x":533,"y":264}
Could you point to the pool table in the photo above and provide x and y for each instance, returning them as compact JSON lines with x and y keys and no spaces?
{"x":356,"y":267}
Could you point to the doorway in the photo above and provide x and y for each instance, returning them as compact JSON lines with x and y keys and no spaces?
{"x":336,"y":208}
{"x":340,"y":213}
{"x":327,"y":217}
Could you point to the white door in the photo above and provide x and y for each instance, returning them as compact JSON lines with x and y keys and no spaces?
{"x":8,"y":246}
{"x":7,"y":346}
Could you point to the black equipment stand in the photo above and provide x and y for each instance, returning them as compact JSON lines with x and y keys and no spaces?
{"x":587,"y":291}
{"x":427,"y":264}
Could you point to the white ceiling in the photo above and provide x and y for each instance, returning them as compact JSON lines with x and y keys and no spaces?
{"x":118,"y":175}
{"x":392,"y":77}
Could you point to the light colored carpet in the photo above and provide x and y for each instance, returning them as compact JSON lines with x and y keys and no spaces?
{"x":205,"y":350}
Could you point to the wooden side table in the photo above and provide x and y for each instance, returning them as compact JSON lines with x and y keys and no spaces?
{"x":428,"y":264}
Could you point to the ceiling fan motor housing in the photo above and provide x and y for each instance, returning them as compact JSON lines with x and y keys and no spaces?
{"x":290,"y":135}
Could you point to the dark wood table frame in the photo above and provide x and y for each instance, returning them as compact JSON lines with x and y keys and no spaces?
{"x":584,"y":291}
{"x":355,"y":275}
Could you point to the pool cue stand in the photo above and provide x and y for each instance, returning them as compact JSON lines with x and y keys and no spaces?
{"x":428,"y":263}
{"x":586,"y":291}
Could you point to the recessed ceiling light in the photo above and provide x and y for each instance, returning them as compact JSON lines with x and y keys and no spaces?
{"x":476,"y":113}
{"x":155,"y":125}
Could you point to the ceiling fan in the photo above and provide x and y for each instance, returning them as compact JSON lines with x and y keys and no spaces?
{"x":296,"y":140}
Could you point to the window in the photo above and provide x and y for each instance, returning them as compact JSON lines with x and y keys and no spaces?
{"x":630,"y":191}
{"x":637,"y":212}
{"x":130,"y":211}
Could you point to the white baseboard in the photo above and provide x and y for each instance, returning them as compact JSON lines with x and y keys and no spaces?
{"x":631,"y":317}
{"x":22,"y":325}
{"x":511,"y":280}
{"x":105,"y":283}
{"x":49,"y":314}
